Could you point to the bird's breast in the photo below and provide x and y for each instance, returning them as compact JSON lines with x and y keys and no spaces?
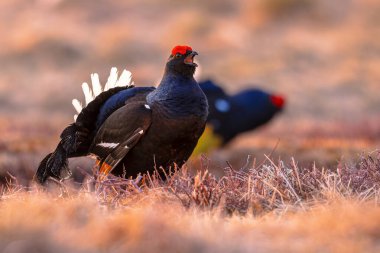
{"x":182,"y":108}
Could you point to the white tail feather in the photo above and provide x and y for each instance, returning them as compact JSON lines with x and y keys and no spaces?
{"x":125,"y":79}
{"x":112,"y":79}
{"x":96,"y":87}
{"x":77,"y":105}
{"x":88,"y":96}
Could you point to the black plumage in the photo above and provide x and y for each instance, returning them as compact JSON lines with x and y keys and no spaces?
{"x":231,"y":115}
{"x":135,"y":129}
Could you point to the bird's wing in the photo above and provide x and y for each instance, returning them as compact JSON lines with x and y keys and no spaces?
{"x":120,"y":132}
{"x":119,"y":152}
{"x":118,"y":100}
{"x":88,"y":116}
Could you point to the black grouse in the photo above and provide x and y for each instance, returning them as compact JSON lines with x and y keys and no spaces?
{"x":135,"y":129}
{"x":242,"y":112}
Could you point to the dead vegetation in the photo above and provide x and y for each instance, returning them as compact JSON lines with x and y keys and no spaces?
{"x":268,"y":206}
{"x":253,"y":189}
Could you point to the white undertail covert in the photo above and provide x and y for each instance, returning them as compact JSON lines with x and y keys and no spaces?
{"x":90,"y":93}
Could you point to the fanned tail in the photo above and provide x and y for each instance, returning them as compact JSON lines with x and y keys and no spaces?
{"x":113,"y":81}
{"x":75,"y":139}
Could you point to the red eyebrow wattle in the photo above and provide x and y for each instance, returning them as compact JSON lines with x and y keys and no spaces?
{"x":181,"y":49}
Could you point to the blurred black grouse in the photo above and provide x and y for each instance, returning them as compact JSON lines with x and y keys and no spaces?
{"x":133,"y":129}
{"x":242,"y":112}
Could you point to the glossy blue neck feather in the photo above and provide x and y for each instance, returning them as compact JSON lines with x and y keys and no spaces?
{"x":179,"y":96}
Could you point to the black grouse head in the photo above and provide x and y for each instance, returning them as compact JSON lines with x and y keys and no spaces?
{"x":181,"y":61}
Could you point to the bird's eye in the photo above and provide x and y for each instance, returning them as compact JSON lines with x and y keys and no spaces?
{"x":177,"y":55}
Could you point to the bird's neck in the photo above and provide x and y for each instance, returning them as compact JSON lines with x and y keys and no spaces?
{"x":172,"y":85}
{"x":179,"y":95}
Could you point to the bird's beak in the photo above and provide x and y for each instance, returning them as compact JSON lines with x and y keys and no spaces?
{"x":189,"y":60}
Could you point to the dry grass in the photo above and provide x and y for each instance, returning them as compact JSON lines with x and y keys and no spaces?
{"x":253,"y":189}
{"x":266,"y":207}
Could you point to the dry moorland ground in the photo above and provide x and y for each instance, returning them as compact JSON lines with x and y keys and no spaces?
{"x":262,"y":208}
{"x":322,"y":55}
